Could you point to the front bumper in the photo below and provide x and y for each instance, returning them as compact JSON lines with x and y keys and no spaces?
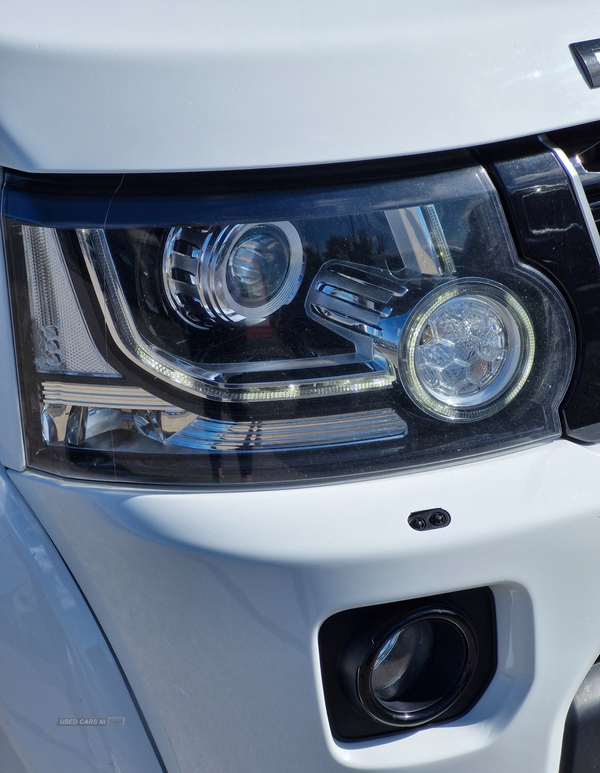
{"x":213,"y":603}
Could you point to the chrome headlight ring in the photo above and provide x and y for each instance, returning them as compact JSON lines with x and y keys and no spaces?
{"x":236,"y":273}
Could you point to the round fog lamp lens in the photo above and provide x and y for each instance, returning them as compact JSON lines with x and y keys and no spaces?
{"x":258,"y":265}
{"x":418,"y":670}
{"x":401,"y":660}
{"x":467,"y":350}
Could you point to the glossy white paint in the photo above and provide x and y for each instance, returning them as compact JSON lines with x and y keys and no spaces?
{"x":144,"y":85}
{"x":213,"y":601}
{"x":54,"y":662}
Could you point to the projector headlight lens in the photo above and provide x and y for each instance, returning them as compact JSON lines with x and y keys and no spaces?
{"x":466,"y":350}
{"x":258,"y":265}
{"x":239,"y":273}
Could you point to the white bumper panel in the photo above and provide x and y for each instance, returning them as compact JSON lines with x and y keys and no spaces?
{"x":55,"y":665}
{"x":213,"y":602}
{"x":193,"y":85}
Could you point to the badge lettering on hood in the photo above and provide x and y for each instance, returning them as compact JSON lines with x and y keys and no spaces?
{"x":587,"y":56}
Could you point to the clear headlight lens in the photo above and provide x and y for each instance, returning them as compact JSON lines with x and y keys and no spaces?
{"x":278,"y":337}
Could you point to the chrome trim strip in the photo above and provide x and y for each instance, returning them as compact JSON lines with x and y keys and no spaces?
{"x":579,"y":191}
{"x":291,"y":434}
{"x":207,"y":434}
{"x":101,"y":396}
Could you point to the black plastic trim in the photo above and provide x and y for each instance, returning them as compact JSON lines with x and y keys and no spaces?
{"x":584,"y":54}
{"x":346,"y":639}
{"x":424,"y":520}
{"x":550,"y":232}
{"x":581,"y":750}
{"x":131,"y":200}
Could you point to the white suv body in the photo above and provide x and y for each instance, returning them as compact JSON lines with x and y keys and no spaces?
{"x":206,"y":604}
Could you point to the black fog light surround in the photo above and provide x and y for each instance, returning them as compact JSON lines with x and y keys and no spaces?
{"x":396,"y":667}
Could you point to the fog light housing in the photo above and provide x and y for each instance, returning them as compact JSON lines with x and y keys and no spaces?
{"x":392,"y":668}
{"x":417,"y":668}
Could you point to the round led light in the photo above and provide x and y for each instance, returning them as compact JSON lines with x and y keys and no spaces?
{"x":235,"y":273}
{"x":466,"y":350}
{"x":418,"y":669}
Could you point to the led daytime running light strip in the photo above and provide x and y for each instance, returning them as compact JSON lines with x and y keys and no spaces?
{"x":120,"y":323}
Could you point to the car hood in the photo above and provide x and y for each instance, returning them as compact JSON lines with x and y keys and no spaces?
{"x":151,"y":86}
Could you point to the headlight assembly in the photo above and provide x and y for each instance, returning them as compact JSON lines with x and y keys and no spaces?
{"x":187,"y":337}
